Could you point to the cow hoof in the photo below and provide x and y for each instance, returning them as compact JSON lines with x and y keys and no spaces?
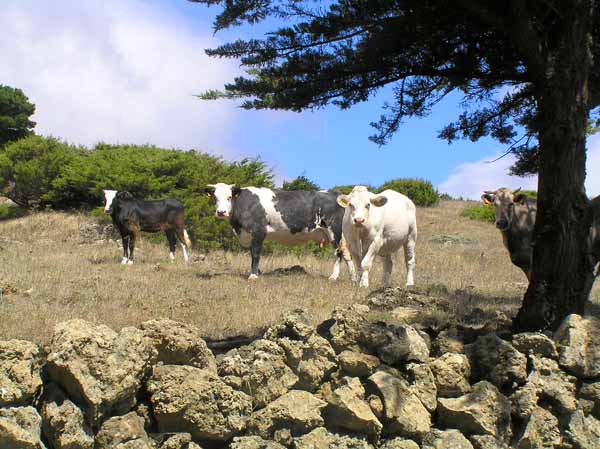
{"x":124,"y":261}
{"x":333,"y":278}
{"x":252,"y":277}
{"x":130,"y":262}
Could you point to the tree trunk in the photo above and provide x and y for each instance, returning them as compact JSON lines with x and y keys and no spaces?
{"x":562,"y":275}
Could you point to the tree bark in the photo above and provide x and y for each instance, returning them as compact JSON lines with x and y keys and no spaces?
{"x":562,"y":274}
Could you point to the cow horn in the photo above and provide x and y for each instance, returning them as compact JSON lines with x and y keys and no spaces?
{"x":489,"y":191}
{"x":517,"y":190}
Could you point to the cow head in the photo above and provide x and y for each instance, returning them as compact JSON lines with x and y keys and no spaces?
{"x":224,"y":194}
{"x":504,"y":201}
{"x":359,"y":202}
{"x":109,"y":196}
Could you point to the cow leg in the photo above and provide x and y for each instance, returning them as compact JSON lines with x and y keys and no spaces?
{"x":367,"y":261}
{"x":132,"y":239}
{"x":336,"y":268}
{"x":125,"y":241}
{"x":255,"y":250}
{"x":387,"y":269}
{"x":356,"y":265}
{"x":409,"y":257}
{"x":172,"y":243}
{"x":185,"y":243}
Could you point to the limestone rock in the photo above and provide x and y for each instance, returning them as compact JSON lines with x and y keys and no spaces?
{"x":321,"y":438}
{"x":589,"y":398}
{"x":547,"y":383}
{"x":19,"y":372}
{"x":451,"y":373}
{"x":496,"y":360}
{"x":179,"y":441}
{"x":310,"y":356}
{"x":63,"y":422}
{"x":577,"y":339}
{"x":535,"y":343}
{"x":347,"y":409}
{"x":399,"y":443}
{"x":123,"y":432}
{"x":259,"y":370}
{"x":403,"y":411}
{"x":20,"y":428}
{"x":482,"y":411}
{"x":254,"y":442}
{"x":98,"y":368}
{"x":541,"y":431}
{"x":405,"y":344}
{"x":447,"y":341}
{"x":376,"y":405}
{"x":447,"y":439}
{"x":298,"y":411}
{"x":584,"y":431}
{"x":422,"y":384}
{"x":357,"y":364}
{"x":188,"y":399}
{"x":487,"y":442}
{"x":349,"y":322}
{"x":179,"y":344}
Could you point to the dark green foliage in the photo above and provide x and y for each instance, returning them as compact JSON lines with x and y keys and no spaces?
{"x":7,"y":212}
{"x":30,"y":166}
{"x":446,"y":197}
{"x":15,"y":110}
{"x":481,"y":212}
{"x":345,"y":189}
{"x":420,"y":191}
{"x":300,"y":183}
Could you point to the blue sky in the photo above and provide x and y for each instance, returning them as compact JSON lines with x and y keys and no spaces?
{"x":127,"y":71}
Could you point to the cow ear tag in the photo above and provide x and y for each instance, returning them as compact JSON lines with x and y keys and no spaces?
{"x":208,"y":194}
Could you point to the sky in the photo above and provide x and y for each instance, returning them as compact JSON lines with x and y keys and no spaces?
{"x":127,"y":71}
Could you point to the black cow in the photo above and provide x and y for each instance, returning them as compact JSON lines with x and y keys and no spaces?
{"x":287,"y":217}
{"x":130,"y":216}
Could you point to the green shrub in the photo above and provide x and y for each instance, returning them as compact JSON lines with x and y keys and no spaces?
{"x":300,"y":183}
{"x":420,"y":191}
{"x":7,"y":212}
{"x":481,"y":212}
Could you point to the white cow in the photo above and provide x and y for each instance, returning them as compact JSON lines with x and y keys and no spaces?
{"x":379,"y":230}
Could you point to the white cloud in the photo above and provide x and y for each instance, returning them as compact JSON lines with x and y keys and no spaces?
{"x":470,"y":179}
{"x":115,"y":71}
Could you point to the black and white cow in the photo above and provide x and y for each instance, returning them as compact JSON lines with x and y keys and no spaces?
{"x":287,"y":217}
{"x":130,"y":216}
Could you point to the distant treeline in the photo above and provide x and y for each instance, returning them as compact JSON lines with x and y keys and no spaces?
{"x":40,"y":172}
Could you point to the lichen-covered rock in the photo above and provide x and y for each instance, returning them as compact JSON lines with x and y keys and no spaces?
{"x":535,"y":343}
{"x":310,"y":356}
{"x":179,"y":441}
{"x":540,"y":432}
{"x":447,"y":341}
{"x":447,"y":439}
{"x":347,"y":330}
{"x":179,"y":344}
{"x":422,"y":384}
{"x":298,"y":411}
{"x":123,"y":432}
{"x":357,"y":364}
{"x":405,"y":344}
{"x":589,"y":398}
{"x":254,"y":442}
{"x":583,"y":431}
{"x":98,"y":368}
{"x":259,"y":370}
{"x":482,"y":411}
{"x":63,"y":422}
{"x":19,"y":372}
{"x":20,"y":428}
{"x":189,"y":399}
{"x":399,"y":443}
{"x":547,"y":383}
{"x":496,"y":360}
{"x":487,"y":442}
{"x":321,"y":438}
{"x":451,"y":373}
{"x":404,"y":413}
{"x":579,"y":352}
{"x":347,"y":409}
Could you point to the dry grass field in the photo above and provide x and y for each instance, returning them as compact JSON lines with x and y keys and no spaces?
{"x":49,"y":272}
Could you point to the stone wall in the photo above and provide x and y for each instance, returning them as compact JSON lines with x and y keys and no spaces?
{"x":349,"y":383}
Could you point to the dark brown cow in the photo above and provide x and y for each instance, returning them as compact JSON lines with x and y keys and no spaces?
{"x":515,"y":218}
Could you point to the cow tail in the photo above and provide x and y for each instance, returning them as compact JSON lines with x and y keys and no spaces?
{"x":186,"y":237}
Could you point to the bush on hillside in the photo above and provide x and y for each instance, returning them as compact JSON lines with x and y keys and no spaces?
{"x":300,"y":183}
{"x":7,"y":212}
{"x":420,"y":191}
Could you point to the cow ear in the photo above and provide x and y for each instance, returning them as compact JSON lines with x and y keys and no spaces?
{"x":343,"y":200}
{"x":236,"y":191}
{"x":488,"y":198}
{"x":125,"y":196}
{"x":520,"y":198}
{"x":209,"y":190}
{"x":379,"y":200}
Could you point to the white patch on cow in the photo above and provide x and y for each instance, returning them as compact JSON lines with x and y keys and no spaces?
{"x":252,"y":277}
{"x":129,"y":262}
{"x":185,"y":254}
{"x":171,"y":255}
{"x":109,"y":196}
{"x":266,"y":197}
{"x":124,"y":260}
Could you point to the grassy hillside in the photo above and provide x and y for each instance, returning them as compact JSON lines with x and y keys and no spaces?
{"x":51,"y":270}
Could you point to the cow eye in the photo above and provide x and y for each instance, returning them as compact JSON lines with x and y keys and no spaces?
{"x":368,"y":206}
{"x":228,"y":197}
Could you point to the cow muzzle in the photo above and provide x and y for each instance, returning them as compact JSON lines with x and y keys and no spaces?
{"x":502,"y":225}
{"x":359,"y":221}
{"x":222,"y":214}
